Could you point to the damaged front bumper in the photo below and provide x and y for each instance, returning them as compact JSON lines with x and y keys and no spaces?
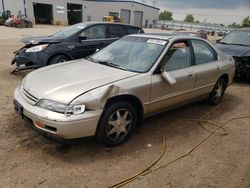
{"x":60,"y":125}
{"x":24,"y":60}
{"x":242,"y":67}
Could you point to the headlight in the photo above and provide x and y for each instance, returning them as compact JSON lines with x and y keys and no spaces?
{"x":60,"y":107}
{"x":37,"y":48}
{"x":52,"y":105}
{"x":75,"y":110}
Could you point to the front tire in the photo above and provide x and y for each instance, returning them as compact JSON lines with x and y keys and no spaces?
{"x":217,"y":94}
{"x":58,"y":59}
{"x":116,"y":124}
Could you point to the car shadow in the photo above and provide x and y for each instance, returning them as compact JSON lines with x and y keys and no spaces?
{"x":243,"y":81}
{"x":21,"y":74}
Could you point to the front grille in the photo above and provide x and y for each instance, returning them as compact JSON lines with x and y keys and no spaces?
{"x":30,"y":98}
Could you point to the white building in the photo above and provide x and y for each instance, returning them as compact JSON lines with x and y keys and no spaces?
{"x":73,"y":11}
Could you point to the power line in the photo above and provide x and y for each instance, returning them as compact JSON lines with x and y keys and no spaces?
{"x":210,"y":15}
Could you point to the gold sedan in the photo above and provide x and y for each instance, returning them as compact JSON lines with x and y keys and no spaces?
{"x":108,"y":94}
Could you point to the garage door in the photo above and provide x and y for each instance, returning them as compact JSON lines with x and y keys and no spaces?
{"x":74,"y":13}
{"x":138,"y":18}
{"x":43,"y":13}
{"x":125,"y":14}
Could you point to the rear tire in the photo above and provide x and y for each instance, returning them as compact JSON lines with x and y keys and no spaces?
{"x":116,"y":124}
{"x":58,"y":59}
{"x":30,"y":25}
{"x":217,"y":94}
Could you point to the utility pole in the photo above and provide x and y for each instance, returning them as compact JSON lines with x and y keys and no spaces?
{"x":24,"y":5}
{"x":3,"y":4}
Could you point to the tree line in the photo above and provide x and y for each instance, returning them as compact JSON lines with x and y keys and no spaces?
{"x":167,"y":15}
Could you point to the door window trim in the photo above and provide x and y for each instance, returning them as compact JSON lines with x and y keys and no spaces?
{"x":103,"y":39}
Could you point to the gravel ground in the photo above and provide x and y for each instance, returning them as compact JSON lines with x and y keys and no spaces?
{"x":28,"y":159}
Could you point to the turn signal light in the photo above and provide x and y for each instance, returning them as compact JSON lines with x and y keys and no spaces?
{"x":38,"y":124}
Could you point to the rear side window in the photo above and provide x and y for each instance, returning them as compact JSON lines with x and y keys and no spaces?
{"x":116,"y":31}
{"x":133,"y":30}
{"x":203,"y":52}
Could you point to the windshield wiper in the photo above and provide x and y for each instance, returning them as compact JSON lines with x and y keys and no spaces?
{"x":106,"y":63}
{"x":111,"y":64}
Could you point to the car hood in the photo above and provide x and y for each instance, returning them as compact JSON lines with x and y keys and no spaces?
{"x":64,"y":82}
{"x":234,"y":50}
{"x":39,"y":40}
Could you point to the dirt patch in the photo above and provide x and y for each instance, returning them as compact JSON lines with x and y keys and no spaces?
{"x":28,"y":159}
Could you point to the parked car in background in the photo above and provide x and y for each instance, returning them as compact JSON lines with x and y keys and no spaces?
{"x":74,"y":42}
{"x":108,"y":94}
{"x":22,"y":22}
{"x":237,"y":44}
{"x":4,"y":15}
{"x":19,"y":21}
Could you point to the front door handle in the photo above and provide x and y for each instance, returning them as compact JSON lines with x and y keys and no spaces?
{"x":190,"y":74}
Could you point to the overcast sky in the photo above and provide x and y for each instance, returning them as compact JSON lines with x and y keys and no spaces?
{"x":213,"y":11}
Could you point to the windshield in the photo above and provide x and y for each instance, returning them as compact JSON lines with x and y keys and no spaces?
{"x":69,"y":31}
{"x":237,"y":37}
{"x":135,"y":54}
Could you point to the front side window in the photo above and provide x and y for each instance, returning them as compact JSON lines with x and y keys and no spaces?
{"x":95,"y":32}
{"x":137,"y":54}
{"x":203,"y":52}
{"x":177,"y":57}
{"x":70,"y":31}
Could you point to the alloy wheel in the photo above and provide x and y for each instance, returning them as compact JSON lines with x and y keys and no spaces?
{"x":119,"y":124}
{"x":219,"y":91}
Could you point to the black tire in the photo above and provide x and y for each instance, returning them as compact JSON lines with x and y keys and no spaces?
{"x":111,"y":135}
{"x":217,"y":94}
{"x":29,"y":25}
{"x":58,"y":59}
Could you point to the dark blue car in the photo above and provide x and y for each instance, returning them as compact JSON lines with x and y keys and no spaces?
{"x":74,"y":42}
{"x":237,"y":44}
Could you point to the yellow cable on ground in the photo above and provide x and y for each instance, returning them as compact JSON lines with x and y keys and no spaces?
{"x":201,"y":122}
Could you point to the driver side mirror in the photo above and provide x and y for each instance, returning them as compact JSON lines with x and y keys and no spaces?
{"x":168,"y":77}
{"x":81,"y":38}
{"x":218,"y":40}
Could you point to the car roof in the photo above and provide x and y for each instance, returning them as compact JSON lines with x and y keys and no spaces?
{"x":165,"y":37}
{"x":108,"y":23}
{"x":161,"y":34}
